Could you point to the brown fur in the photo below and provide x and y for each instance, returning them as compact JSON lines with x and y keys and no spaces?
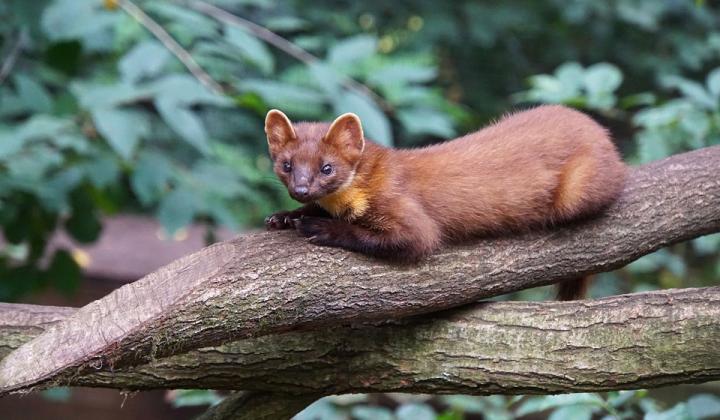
{"x":534,"y":168}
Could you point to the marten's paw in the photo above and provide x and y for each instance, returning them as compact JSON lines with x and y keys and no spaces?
{"x":318,"y":230}
{"x":280,"y":220}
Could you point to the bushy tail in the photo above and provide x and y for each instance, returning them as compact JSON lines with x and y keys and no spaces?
{"x":573,"y":289}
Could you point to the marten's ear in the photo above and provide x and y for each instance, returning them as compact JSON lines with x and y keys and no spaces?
{"x":346,"y":134}
{"x":279,"y":131}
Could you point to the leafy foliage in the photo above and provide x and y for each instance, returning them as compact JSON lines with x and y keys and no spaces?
{"x":98,"y":116}
{"x":615,"y":405}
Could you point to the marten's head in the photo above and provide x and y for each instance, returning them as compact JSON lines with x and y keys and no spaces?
{"x":314,"y":159}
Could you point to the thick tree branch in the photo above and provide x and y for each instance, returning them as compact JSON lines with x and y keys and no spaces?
{"x":268,"y":283}
{"x":622,"y":342}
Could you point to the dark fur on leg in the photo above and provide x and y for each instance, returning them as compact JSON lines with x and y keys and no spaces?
{"x":574,"y":289}
{"x":341,"y":234}
{"x":284,"y":219}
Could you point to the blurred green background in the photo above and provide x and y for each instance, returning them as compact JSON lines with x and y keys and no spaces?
{"x":99,"y":118}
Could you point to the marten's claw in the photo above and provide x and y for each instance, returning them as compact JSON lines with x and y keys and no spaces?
{"x":278,"y":221}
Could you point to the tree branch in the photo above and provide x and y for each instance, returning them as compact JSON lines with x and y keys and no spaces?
{"x":283,"y":45}
{"x":173,"y":46}
{"x":12,"y":56}
{"x":632,"y":341}
{"x":258,"y":406}
{"x":268,"y":283}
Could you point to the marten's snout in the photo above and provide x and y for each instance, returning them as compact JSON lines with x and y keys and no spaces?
{"x":301,"y":191}
{"x":300,"y":186}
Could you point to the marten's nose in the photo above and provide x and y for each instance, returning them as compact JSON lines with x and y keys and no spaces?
{"x":301,"y":191}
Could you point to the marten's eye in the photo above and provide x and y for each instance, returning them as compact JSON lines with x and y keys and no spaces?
{"x":287,"y":167}
{"x":326,"y":169}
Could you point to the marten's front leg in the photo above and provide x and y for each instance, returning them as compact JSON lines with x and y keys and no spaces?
{"x":406,"y":243}
{"x":284,"y":219}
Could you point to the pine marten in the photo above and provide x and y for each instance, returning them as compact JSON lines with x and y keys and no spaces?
{"x":534,"y":168}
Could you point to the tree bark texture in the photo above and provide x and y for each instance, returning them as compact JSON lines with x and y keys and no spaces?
{"x":631,"y":341}
{"x":268,"y":283}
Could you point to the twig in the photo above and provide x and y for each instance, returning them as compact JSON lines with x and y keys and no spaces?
{"x":173,"y":46}
{"x":258,"y":405}
{"x":282,"y":44}
{"x":9,"y":62}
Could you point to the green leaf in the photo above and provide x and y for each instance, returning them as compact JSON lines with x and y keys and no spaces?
{"x":151,"y":177}
{"x":10,"y":143}
{"x":415,"y":411}
{"x":466,"y":403}
{"x":290,"y":98}
{"x":221,"y":213}
{"x":571,"y":74}
{"x":218,"y":179}
{"x":322,"y":409}
{"x":649,"y":263}
{"x":366,"y":412}
{"x":194,"y":397}
{"x":704,"y":406}
{"x":573,"y":412}
{"x":326,"y":78}
{"x":252,"y":49}
{"x":185,"y":90}
{"x":707,"y":245}
{"x":663,"y":115}
{"x":620,"y":398}
{"x":54,"y":193}
{"x":177,"y":209}
{"x":71,"y":19}
{"x":102,"y":171}
{"x":57,"y":394}
{"x":352,"y":49}
{"x":450,"y":415}
{"x":678,"y":412}
{"x":402,"y":73}
{"x":537,"y":404}
{"x":375,"y":124}
{"x":99,"y":95}
{"x":286,"y":23}
{"x":185,"y":23}
{"x":184,"y":122}
{"x":698,"y":124}
{"x":42,"y":127}
{"x":122,"y":128}
{"x":602,"y":77}
{"x":32,"y":94}
{"x":64,"y":272}
{"x":146,"y":59}
{"x":692,"y":90}
{"x":652,"y":146}
{"x":34,"y":164}
{"x":426,"y":121}
{"x":713,"y":83}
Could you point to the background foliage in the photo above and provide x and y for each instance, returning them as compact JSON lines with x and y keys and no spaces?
{"x":97,"y":116}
